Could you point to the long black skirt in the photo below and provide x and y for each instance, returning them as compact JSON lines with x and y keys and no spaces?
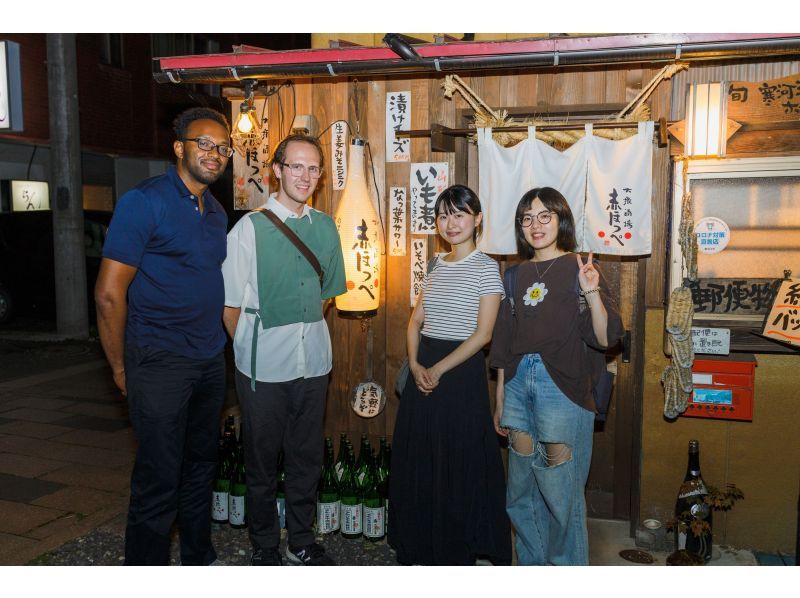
{"x":447,"y":491}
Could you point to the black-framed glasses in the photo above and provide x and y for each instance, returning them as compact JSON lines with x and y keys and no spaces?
{"x":207,"y":145}
{"x":298,"y":169}
{"x":543,"y":217}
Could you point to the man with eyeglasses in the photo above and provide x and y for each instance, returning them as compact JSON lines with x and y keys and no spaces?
{"x":274,"y":303}
{"x":160,"y":296}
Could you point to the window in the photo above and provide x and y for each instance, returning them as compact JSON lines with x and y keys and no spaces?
{"x":753,"y":205}
{"x":111,"y":50}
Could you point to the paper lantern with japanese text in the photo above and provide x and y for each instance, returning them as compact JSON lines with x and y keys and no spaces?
{"x":361,"y":235}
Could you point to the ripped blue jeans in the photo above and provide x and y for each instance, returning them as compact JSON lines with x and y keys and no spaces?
{"x":550,"y":451}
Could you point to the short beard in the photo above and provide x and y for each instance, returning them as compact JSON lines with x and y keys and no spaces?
{"x":201,"y":175}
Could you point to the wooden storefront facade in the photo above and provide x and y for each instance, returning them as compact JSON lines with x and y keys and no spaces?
{"x":639,"y":456}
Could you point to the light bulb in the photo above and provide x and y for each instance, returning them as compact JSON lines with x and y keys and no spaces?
{"x":245,"y":122}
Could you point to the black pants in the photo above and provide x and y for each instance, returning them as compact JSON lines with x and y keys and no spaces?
{"x":174,"y":404}
{"x":288,"y":416}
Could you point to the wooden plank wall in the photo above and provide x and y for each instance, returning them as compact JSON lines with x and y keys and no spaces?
{"x":331,"y":99}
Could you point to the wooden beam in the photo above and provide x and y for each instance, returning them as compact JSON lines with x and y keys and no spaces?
{"x":441,"y":140}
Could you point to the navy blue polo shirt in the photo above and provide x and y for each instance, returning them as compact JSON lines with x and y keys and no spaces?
{"x":176,"y":299}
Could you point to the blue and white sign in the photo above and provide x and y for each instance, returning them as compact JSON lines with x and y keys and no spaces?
{"x":713,"y":235}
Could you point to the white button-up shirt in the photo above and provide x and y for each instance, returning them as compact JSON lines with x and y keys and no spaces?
{"x":299,"y":350}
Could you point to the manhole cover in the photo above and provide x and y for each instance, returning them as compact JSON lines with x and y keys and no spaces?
{"x":637,"y":556}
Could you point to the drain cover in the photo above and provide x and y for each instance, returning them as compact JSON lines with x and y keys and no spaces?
{"x":637,"y":556}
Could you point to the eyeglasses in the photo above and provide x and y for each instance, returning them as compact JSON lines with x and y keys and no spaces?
{"x":207,"y":145}
{"x":298,"y":169}
{"x":542,"y":217}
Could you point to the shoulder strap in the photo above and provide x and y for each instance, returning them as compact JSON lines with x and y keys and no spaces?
{"x":432,"y":264}
{"x":510,"y":285}
{"x":296,"y":241}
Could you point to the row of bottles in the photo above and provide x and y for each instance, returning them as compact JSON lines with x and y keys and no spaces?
{"x":353,"y":495}
{"x":229,"y":491}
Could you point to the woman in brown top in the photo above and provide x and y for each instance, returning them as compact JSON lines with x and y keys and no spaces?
{"x":545,"y":379}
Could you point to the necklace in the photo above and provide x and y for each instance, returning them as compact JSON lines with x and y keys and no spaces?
{"x":541,"y":276}
{"x":536,"y":293}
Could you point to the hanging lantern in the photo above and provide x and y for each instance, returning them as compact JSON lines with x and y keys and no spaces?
{"x":706,"y":119}
{"x":360,"y":232}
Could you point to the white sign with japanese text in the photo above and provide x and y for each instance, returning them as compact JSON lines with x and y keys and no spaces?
{"x":398,"y":198}
{"x":398,"y":118}
{"x":783,"y":321}
{"x":419,"y":265}
{"x":339,"y":155}
{"x":251,"y":167}
{"x":428,"y":180}
{"x":712,"y":341}
{"x":713,"y":235}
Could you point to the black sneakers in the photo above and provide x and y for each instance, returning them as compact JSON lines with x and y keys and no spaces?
{"x":266,"y":557}
{"x":313,"y":554}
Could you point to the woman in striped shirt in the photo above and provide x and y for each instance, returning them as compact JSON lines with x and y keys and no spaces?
{"x":447,"y":493}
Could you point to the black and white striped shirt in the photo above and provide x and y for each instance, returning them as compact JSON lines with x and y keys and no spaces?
{"x":452,"y":293}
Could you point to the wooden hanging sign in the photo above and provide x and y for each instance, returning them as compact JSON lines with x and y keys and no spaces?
{"x":775,"y":100}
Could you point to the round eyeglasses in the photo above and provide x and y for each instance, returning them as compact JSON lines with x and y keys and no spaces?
{"x":543,"y":217}
{"x":207,"y":145}
{"x":298,"y":169}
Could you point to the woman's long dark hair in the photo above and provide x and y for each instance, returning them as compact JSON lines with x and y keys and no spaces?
{"x":554,"y":202}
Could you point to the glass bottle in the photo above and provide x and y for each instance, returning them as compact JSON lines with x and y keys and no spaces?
{"x":237,"y":516}
{"x":222,"y":483}
{"x":691,"y":510}
{"x":328,"y":497}
{"x":362,"y":464}
{"x":373,"y":507}
{"x":341,"y":457}
{"x":280,"y":493}
{"x":350,"y":501}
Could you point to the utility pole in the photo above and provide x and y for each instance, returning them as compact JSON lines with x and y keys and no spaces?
{"x":72,"y":311}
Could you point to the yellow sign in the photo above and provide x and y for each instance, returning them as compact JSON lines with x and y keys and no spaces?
{"x":783,"y":321}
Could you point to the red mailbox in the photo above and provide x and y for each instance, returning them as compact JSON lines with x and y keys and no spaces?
{"x":723,"y":387}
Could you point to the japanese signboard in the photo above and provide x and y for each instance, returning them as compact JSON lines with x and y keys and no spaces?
{"x":251,"y":165}
{"x":398,"y":118}
{"x":783,"y":320}
{"x":775,"y":100}
{"x":428,"y":180}
{"x":339,"y":155}
{"x":743,"y":297}
{"x":398,"y":198}
{"x":713,"y":235}
{"x":368,"y":399}
{"x":419,"y":265}
{"x":715,"y":341}
{"x":618,"y":194}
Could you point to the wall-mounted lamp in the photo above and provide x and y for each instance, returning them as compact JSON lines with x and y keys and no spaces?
{"x":706,"y":119}
{"x":361,"y":235}
{"x":400,"y":46}
{"x":246,"y":122}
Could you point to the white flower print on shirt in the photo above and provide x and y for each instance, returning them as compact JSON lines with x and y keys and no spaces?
{"x":535,"y":294}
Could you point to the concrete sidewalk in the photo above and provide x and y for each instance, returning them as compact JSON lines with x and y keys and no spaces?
{"x":66,"y":453}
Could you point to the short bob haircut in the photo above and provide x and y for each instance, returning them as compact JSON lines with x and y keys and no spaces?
{"x":554,"y":202}
{"x":458,"y":198}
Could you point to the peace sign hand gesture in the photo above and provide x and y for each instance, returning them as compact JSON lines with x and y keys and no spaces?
{"x":588,"y":276}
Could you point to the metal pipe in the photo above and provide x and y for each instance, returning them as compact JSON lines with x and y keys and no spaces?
{"x":524,"y":128}
{"x":719,"y":50}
